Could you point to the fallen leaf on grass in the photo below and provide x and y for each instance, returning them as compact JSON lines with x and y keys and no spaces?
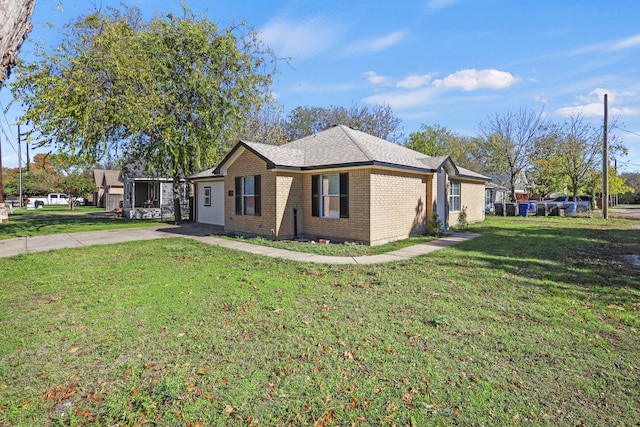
{"x":95,"y":397}
{"x":61,"y":392}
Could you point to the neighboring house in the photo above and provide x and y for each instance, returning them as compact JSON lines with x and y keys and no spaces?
{"x":494,"y":193}
{"x":340,"y":184}
{"x":148,"y":196}
{"x":109,"y":189}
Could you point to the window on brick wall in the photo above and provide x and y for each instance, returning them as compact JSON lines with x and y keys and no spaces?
{"x":248,"y":197}
{"x":454,"y":196}
{"x":330,"y":195}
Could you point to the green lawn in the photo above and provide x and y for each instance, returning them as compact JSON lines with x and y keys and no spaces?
{"x":534,"y":323}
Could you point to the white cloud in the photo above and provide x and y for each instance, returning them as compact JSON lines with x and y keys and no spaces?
{"x":592,"y":104}
{"x":628,"y":43}
{"x":472,"y":79}
{"x":607,"y":46}
{"x":541,"y":99}
{"x":433,"y":5}
{"x":377,"y":79}
{"x":377,"y":44}
{"x":413,"y":81}
{"x":299,"y":39}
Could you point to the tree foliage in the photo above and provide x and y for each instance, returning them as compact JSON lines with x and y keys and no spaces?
{"x":170,"y":92}
{"x":632,"y":179}
{"x":508,"y":143}
{"x":578,"y":151}
{"x":34,"y":183}
{"x":437,"y":140}
{"x":76,"y":185}
{"x":377,"y":120}
{"x":265,"y":123}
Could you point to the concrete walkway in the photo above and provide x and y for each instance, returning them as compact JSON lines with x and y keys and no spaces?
{"x":206,"y":234}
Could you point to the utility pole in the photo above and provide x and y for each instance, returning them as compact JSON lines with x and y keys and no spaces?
{"x":1,"y":189}
{"x":605,"y":163}
{"x":19,"y":166}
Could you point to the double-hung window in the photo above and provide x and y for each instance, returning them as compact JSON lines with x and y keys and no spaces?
{"x":330,"y":195}
{"x":454,"y":196}
{"x":248,"y":195}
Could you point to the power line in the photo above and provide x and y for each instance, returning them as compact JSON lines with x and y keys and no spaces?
{"x":6,"y":120}
{"x":628,"y":164}
{"x":6,"y":138}
{"x":628,"y":131}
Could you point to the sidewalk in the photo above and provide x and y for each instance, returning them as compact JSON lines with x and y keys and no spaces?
{"x":203,"y":233}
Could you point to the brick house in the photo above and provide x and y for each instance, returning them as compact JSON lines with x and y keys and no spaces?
{"x":340,"y":184}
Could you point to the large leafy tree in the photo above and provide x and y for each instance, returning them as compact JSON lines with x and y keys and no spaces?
{"x":77,"y":184}
{"x":376,"y":120}
{"x":509,"y":142}
{"x":34,"y":183}
{"x":578,"y":152}
{"x":265,"y":123}
{"x":169,"y":92}
{"x":437,"y":140}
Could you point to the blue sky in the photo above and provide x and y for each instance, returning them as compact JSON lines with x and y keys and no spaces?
{"x":446,"y":62}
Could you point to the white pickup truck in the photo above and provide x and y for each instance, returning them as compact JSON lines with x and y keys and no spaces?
{"x":582,"y":205}
{"x":51,"y":199}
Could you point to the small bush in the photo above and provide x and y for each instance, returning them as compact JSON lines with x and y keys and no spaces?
{"x":435,"y":225}
{"x":463,"y":223}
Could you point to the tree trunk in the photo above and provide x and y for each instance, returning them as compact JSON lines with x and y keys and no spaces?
{"x":177,"y":209}
{"x":15,"y":25}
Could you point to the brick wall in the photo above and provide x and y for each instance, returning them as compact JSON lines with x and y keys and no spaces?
{"x":245,"y":165}
{"x":399,"y":205}
{"x":289,"y":197}
{"x":471,"y":196}
{"x":354,"y":228}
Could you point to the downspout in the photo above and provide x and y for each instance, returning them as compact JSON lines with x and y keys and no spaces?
{"x":295,"y":223}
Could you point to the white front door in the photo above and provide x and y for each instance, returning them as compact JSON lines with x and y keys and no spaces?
{"x":210,"y":209}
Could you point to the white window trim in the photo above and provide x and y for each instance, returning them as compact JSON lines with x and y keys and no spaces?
{"x":453,"y":196}
{"x":331,"y":196}
{"x":246,"y":196}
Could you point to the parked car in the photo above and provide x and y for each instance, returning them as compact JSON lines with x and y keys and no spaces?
{"x":52,"y":199}
{"x":582,"y":205}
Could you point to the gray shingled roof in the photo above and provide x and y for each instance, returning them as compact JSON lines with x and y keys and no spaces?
{"x":112,"y":178}
{"x":471,"y":174}
{"x":208,"y":173}
{"x":279,"y":155}
{"x":340,"y":146}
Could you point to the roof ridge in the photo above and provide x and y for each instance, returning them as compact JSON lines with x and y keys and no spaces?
{"x":362,"y":150}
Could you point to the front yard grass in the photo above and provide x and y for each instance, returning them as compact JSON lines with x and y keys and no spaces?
{"x":534,"y":323}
